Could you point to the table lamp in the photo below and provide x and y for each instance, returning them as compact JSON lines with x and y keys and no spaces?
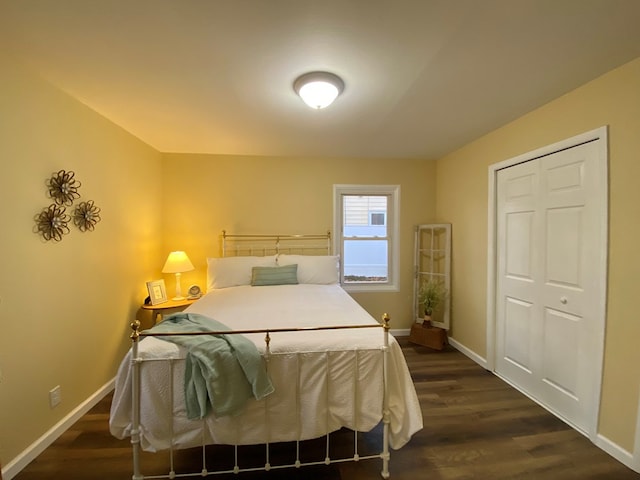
{"x":177,"y":262}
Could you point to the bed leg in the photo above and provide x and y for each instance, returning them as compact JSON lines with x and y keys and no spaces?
{"x":136,"y":458}
{"x":385,"y":455}
{"x":135,"y":386}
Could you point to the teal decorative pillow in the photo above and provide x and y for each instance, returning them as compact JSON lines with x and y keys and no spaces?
{"x":287,"y":275}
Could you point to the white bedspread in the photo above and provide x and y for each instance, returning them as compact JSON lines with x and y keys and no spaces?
{"x":320,"y":365}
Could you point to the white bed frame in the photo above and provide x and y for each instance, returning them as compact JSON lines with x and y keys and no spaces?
{"x":263,"y":245}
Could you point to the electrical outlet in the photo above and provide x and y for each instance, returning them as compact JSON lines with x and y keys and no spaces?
{"x":55,"y":396}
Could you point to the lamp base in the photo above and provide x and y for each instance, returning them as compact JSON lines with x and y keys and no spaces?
{"x":179,"y":295}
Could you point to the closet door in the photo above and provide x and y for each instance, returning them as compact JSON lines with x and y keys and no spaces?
{"x":548,"y":240}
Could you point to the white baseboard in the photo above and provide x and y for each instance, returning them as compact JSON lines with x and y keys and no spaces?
{"x":400,"y":332}
{"x":617,"y":452}
{"x":468,"y":352}
{"x":16,"y":465}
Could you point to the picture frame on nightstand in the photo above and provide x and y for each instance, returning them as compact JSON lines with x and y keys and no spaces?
{"x":157,"y":292}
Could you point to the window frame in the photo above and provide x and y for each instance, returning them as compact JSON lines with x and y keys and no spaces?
{"x":392,"y":220}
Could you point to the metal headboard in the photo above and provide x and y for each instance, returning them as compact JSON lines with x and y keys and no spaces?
{"x":262,"y":245}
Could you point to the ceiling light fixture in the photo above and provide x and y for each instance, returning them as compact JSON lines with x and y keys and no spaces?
{"x":318,"y":89}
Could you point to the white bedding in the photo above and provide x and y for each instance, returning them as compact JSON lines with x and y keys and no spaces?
{"x":321,"y":357}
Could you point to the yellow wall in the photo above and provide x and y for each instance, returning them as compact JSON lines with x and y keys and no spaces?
{"x":269,"y":195}
{"x":65,"y":307}
{"x":462,"y":180}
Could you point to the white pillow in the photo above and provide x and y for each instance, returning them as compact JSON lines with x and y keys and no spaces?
{"x":233,"y":271}
{"x":320,"y":269}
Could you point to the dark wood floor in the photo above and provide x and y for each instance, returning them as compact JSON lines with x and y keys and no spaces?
{"x":476,"y":426}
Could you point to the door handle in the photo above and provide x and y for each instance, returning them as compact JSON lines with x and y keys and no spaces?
{"x":563,"y":300}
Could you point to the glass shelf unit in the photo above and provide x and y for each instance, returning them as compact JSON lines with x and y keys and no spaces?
{"x":432,"y":262}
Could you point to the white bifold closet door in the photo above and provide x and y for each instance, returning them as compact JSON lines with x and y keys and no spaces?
{"x":547,"y":243}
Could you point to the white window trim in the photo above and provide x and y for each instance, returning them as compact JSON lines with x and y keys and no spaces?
{"x":393,"y":215}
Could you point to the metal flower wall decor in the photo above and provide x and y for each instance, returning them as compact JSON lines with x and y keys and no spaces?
{"x":63,"y":188}
{"x":86,"y":215}
{"x":52,"y":222}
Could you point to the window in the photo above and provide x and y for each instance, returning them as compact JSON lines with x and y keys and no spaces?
{"x":365,"y":222}
{"x":377,"y":218}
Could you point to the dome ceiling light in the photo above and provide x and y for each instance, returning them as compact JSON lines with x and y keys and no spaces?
{"x":318,"y":89}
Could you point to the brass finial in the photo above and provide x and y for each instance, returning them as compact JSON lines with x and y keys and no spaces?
{"x":135,"y":327}
{"x":386,"y":320}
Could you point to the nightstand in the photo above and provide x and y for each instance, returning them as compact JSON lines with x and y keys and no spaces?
{"x":170,"y":306}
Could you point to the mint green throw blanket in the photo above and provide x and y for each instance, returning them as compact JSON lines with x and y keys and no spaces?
{"x":222,"y":371}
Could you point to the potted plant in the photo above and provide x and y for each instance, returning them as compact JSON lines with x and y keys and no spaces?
{"x":431,"y":295}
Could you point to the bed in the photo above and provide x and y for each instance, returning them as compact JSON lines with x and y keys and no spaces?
{"x":331,"y":365}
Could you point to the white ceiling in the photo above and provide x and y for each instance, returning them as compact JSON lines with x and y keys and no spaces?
{"x":423,"y":77}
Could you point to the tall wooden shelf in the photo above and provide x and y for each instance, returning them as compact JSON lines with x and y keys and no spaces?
{"x":432,"y":261}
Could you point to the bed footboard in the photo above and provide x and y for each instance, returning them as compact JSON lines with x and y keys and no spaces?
{"x":269,"y":356}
